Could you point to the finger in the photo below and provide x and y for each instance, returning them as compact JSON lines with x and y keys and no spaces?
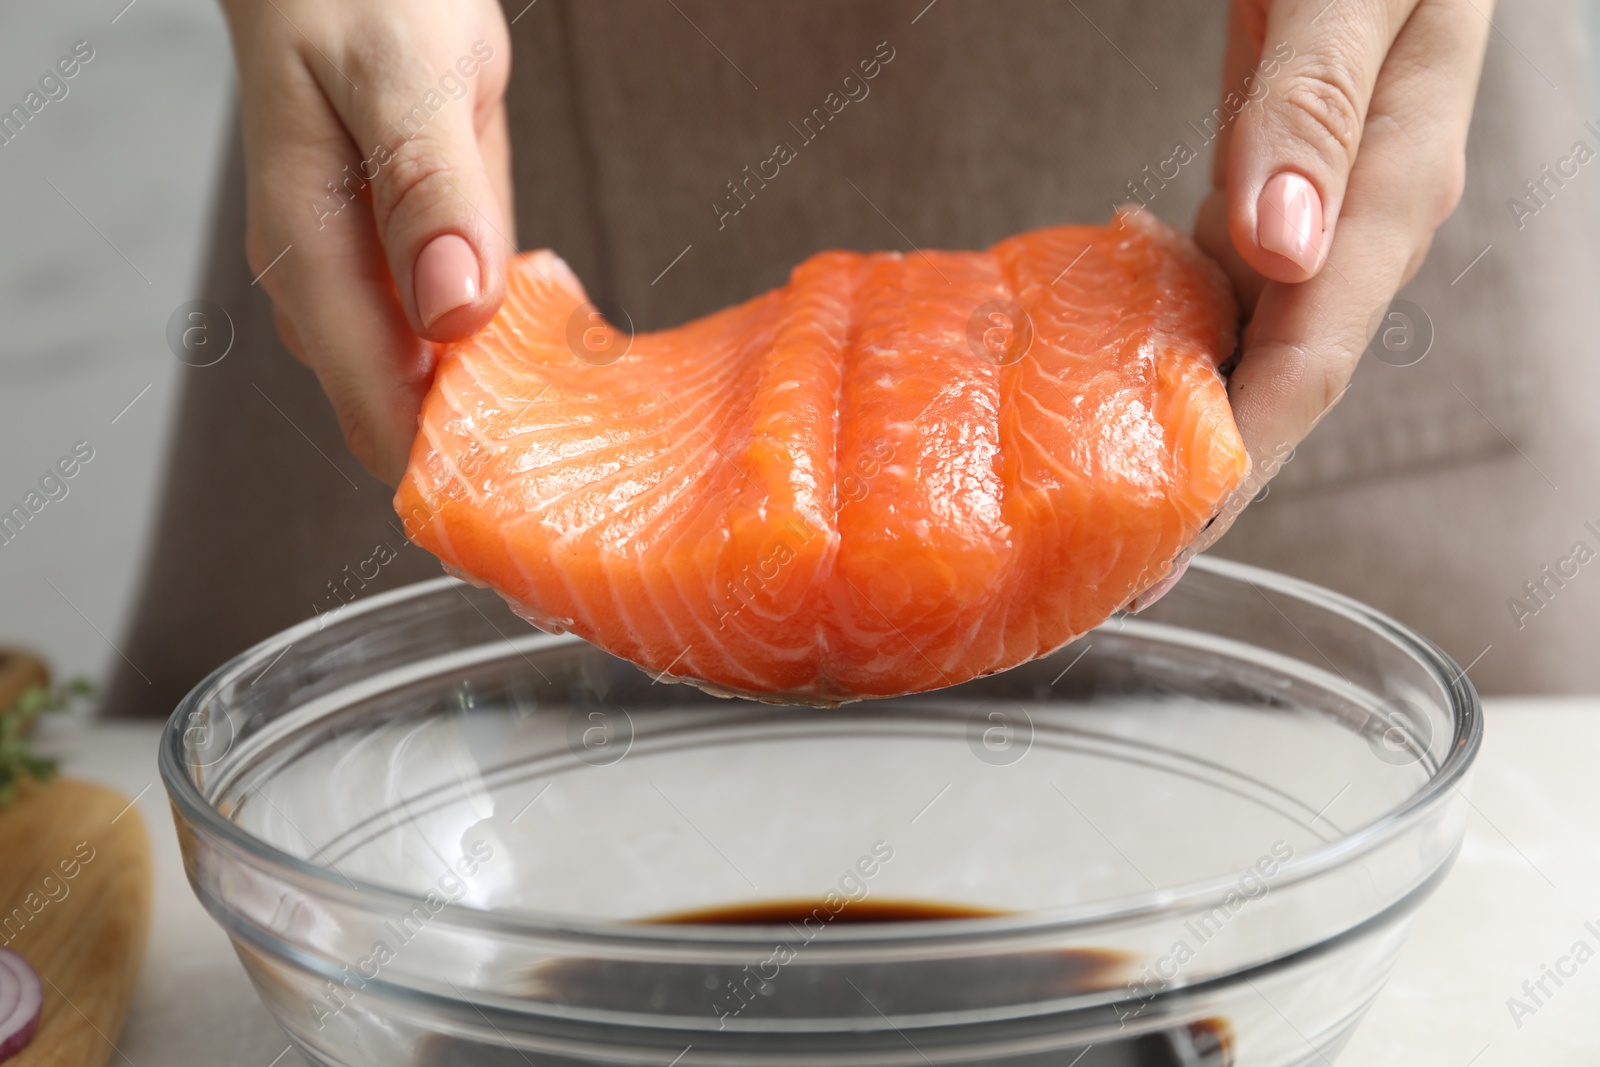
{"x":326,"y":271}
{"x":1289,"y":159}
{"x":494,"y":142}
{"x":1248,"y":70}
{"x":288,"y":335}
{"x":1305,"y":339}
{"x":1211,"y":233}
{"x":1417,"y":259}
{"x":415,"y":122}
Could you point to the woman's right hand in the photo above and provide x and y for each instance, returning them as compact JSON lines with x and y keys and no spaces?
{"x":378,"y":192}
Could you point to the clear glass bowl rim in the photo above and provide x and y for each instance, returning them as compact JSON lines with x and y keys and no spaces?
{"x":620,"y":935}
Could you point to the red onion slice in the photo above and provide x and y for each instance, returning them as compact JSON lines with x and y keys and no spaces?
{"x":21,"y":999}
{"x":10,"y":992}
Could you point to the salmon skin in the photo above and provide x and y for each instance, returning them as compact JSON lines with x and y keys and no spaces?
{"x":895,"y":473}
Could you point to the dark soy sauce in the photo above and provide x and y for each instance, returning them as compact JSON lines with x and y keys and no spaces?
{"x":798,"y":993}
{"x":796,"y":912}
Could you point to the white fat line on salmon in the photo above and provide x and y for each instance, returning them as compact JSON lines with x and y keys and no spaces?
{"x":742,"y":589}
{"x":1154,"y":177}
{"x":878,"y":453}
{"x":855,"y":89}
{"x":52,"y":88}
{"x":452,"y":85}
{"x":461,"y":472}
{"x":1255,"y":486}
{"x":52,"y":486}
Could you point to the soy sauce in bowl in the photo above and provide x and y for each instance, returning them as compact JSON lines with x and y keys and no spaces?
{"x":942,"y":985}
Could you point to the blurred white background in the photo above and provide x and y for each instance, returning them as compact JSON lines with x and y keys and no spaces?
{"x":104,"y":201}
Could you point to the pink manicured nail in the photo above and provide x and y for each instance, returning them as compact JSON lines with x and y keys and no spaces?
{"x":446,"y":277}
{"x":1289,"y":219}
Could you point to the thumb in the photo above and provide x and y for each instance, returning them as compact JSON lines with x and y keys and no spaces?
{"x":433,"y":199}
{"x":1289,"y":158}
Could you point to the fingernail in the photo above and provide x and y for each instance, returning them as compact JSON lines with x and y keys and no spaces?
{"x":1289,"y":219}
{"x":445,"y":278}
{"x":1159,"y":590}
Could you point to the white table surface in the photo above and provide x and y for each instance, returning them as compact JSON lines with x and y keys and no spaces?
{"x":1527,"y":881}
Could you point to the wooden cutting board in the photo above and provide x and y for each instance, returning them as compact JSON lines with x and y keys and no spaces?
{"x":75,"y":903}
{"x":19,"y":670}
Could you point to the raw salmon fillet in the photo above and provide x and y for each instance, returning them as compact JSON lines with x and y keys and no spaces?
{"x":895,"y":473}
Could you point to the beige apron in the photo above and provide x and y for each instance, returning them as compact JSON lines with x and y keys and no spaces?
{"x":683,"y":156}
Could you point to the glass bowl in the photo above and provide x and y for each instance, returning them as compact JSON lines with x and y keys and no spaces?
{"x":1195,"y":837}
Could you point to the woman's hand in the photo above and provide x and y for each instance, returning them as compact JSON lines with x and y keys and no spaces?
{"x":1328,"y":188}
{"x":379,"y":192}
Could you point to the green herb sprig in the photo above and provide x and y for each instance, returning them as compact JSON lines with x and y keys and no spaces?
{"x":17,"y":761}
